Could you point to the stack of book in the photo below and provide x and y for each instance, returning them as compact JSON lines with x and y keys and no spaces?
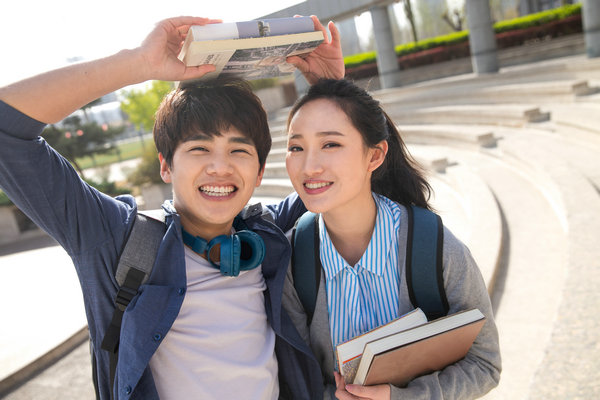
{"x":408,"y":347}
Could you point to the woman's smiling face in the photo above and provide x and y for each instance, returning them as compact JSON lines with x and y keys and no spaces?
{"x":327,"y":160}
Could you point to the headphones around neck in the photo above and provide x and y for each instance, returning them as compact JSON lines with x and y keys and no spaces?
{"x":242,"y":251}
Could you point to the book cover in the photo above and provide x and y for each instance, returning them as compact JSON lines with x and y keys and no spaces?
{"x":349,"y":353}
{"x":251,"y":49}
{"x":401,"y":357}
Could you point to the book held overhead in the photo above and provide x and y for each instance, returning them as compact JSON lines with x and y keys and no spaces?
{"x":250,"y":49}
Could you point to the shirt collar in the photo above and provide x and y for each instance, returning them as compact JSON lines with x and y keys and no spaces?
{"x":385,"y":233}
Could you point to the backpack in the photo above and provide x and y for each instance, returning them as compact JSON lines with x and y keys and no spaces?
{"x":423,"y":262}
{"x":134,"y":268}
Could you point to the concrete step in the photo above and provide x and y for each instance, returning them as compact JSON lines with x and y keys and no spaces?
{"x":584,"y":116}
{"x":278,"y":128}
{"x":274,"y":187}
{"x":278,"y":142}
{"x":279,"y":115}
{"x":275,"y":170}
{"x":502,"y":114}
{"x":498,"y":92}
{"x":565,"y":276}
{"x":532,"y":246}
{"x":467,"y":206}
{"x":475,"y":136}
{"x":277,"y":154}
{"x":49,"y":311}
{"x":577,"y":67}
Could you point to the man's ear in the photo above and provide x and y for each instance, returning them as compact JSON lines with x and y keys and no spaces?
{"x":377,"y":155}
{"x":261,"y":172}
{"x":165,"y":169}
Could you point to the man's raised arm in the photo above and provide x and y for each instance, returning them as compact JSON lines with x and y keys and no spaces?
{"x":52,"y":96}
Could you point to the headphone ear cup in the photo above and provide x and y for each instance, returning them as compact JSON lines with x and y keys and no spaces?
{"x":229,"y":263}
{"x":257,"y":246}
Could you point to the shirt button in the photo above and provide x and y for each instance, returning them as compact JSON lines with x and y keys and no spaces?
{"x":127,"y":389}
{"x":157,"y":337}
{"x":181,"y":291}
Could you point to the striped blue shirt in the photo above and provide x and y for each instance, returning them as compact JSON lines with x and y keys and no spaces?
{"x":363,"y":296}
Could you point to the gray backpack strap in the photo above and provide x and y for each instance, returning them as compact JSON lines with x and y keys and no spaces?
{"x":142,"y":245}
{"x":135,"y":266}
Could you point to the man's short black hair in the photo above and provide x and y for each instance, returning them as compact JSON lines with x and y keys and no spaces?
{"x":210,"y":108}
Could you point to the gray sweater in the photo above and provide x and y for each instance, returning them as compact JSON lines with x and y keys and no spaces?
{"x":469,"y":378}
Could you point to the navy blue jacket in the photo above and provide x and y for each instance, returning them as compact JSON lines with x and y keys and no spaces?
{"x":93,"y":228}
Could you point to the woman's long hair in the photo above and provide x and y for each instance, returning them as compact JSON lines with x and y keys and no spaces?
{"x":399,"y":178}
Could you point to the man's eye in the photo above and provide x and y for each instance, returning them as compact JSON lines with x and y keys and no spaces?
{"x":241,"y":151}
{"x":198,"y":148}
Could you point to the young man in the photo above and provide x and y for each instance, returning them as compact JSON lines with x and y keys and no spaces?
{"x":190,"y":331}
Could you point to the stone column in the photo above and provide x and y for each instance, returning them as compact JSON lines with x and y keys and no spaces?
{"x":482,"y":39}
{"x":591,"y":27}
{"x":387,"y":62}
{"x":350,"y":40}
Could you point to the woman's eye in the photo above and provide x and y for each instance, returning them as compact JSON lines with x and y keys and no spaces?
{"x":330,"y":145}
{"x":294,"y":148}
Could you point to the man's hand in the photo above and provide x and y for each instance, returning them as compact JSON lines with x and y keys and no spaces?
{"x":161,"y":47}
{"x":53,"y":95}
{"x":357,"y":392}
{"x":326,"y":61}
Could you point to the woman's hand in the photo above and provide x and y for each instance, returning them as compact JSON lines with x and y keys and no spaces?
{"x":326,"y":61}
{"x":357,"y":392}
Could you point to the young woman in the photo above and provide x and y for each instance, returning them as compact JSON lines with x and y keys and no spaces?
{"x":348,"y":163}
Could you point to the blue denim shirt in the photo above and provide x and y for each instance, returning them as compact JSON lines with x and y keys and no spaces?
{"x":93,"y":227}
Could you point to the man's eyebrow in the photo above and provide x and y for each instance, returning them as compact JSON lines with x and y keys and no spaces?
{"x":198,"y":137}
{"x":241,"y":140}
{"x":321,"y":134}
{"x":207,"y":138}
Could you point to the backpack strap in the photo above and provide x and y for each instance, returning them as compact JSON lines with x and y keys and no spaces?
{"x":424,"y":260}
{"x":306,"y":264}
{"x":134,"y":268}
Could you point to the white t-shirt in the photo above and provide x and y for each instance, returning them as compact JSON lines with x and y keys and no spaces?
{"x":221,"y":345}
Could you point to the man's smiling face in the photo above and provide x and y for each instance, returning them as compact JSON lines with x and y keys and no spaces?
{"x":213,"y":178}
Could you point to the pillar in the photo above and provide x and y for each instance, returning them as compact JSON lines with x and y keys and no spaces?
{"x":350,"y":40}
{"x":482,"y":39}
{"x":591,"y":27}
{"x":387,"y":62}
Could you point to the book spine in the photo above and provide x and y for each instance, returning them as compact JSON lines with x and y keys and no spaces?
{"x":285,"y":26}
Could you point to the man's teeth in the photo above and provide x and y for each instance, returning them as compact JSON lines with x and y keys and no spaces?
{"x":316,"y":185}
{"x":217,"y":190}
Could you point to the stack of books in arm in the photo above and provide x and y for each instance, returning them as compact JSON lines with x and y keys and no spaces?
{"x":250,"y":49}
{"x":415,"y":347}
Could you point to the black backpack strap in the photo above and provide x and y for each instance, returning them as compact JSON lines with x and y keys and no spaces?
{"x":306,"y":263}
{"x":424,"y":261}
{"x":134,"y":268}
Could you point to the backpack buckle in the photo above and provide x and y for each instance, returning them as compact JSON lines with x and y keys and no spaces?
{"x":124,"y":297}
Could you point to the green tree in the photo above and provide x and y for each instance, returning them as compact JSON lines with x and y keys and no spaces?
{"x":141,"y":105}
{"x":74,"y":139}
{"x":148,"y":170}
